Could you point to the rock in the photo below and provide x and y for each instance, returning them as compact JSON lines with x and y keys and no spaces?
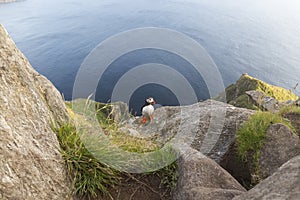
{"x":294,"y":119}
{"x":202,"y":178}
{"x":131,"y":132}
{"x":297,"y":103}
{"x":236,"y":93}
{"x":238,"y":168}
{"x":280,"y":145}
{"x":31,"y":166}
{"x":120,"y":112}
{"x":208,"y":126}
{"x":265,"y":102}
{"x":283,"y":184}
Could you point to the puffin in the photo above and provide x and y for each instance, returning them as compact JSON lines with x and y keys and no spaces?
{"x":148,"y":110}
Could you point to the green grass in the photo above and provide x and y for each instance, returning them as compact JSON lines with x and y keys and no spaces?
{"x":84,"y":151}
{"x":89,"y":176}
{"x":169,"y":176}
{"x":250,"y":138}
{"x":290,"y":109}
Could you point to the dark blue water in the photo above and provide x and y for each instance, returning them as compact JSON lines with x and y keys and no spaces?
{"x":258,"y":37}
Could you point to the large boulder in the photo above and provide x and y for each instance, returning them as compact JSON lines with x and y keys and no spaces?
{"x":283,"y":184}
{"x":31,"y":166}
{"x":208,"y":126}
{"x":200,"y":178}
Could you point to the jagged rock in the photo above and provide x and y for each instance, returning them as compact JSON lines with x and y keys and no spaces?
{"x":263,"y":101}
{"x":284,"y":184}
{"x":208,"y":126}
{"x":202,"y":178}
{"x":31,"y":166}
{"x":280,"y":145}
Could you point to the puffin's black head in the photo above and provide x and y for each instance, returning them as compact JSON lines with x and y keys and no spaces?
{"x":150,"y":101}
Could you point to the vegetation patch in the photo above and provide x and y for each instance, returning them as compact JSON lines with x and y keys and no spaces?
{"x":250,"y":138}
{"x":92,"y":177}
{"x":290,"y":109}
{"x":244,"y":101}
{"x":169,"y":176}
{"x":89,"y":176}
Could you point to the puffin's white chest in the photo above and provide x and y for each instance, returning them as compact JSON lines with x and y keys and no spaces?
{"x":148,"y":110}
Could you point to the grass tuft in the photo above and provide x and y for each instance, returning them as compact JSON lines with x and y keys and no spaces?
{"x":290,"y":109}
{"x":169,"y":176}
{"x":89,"y":176}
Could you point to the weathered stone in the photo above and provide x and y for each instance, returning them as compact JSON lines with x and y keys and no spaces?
{"x":280,"y":145}
{"x":284,"y":184}
{"x":265,"y":102}
{"x":120,"y":112}
{"x":238,"y":168}
{"x":202,"y":178}
{"x":208,"y":126}
{"x":31,"y":166}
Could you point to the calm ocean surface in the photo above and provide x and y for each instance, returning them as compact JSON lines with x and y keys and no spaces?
{"x":258,"y":37}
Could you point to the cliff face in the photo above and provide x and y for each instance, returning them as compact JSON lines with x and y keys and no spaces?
{"x":31,"y":166}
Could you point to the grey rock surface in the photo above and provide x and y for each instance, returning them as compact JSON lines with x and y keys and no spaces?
{"x":31,"y":166}
{"x":200,"y":178}
{"x":297,"y":103}
{"x":120,"y":112}
{"x":284,"y":184}
{"x":263,"y":101}
{"x":280,"y":145}
{"x":208,"y":126}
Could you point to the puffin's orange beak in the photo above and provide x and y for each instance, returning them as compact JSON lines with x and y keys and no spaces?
{"x":144,"y":120}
